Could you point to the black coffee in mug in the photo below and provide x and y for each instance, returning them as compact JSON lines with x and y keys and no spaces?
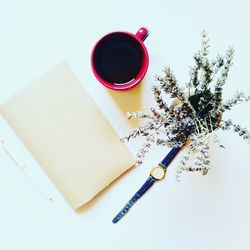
{"x":119,"y":60}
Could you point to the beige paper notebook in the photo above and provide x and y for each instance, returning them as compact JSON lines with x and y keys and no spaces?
{"x":68,"y":135}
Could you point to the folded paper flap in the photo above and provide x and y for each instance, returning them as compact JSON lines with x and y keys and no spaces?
{"x":68,"y":135}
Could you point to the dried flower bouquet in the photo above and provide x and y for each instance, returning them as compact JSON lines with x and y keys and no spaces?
{"x":195,"y":113}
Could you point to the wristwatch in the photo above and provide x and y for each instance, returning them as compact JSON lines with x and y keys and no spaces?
{"x":157,"y":173}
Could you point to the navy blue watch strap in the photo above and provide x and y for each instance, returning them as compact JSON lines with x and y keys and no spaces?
{"x":147,"y":185}
{"x":169,"y":157}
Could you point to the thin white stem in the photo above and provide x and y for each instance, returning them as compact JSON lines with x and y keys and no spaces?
{"x":22,"y":168}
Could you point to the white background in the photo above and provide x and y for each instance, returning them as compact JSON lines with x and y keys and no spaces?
{"x":200,"y":213}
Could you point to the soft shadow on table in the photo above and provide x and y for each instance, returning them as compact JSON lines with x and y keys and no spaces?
{"x":129,"y":100}
{"x":100,"y":195}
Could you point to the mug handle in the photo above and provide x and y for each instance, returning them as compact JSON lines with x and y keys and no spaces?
{"x":142,"y":33}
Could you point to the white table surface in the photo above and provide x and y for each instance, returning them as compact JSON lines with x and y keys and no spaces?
{"x":199,"y":213}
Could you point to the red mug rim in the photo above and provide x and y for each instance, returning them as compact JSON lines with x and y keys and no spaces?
{"x":140,"y":75}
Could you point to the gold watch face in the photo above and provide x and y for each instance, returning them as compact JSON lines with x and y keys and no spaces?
{"x":158,"y":172}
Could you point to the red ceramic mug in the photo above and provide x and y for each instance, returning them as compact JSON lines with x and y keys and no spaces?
{"x":119,"y":60}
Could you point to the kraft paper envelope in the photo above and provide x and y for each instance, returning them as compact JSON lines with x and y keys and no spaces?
{"x":68,"y":135}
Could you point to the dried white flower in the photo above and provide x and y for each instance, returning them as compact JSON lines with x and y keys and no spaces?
{"x":195,"y":113}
